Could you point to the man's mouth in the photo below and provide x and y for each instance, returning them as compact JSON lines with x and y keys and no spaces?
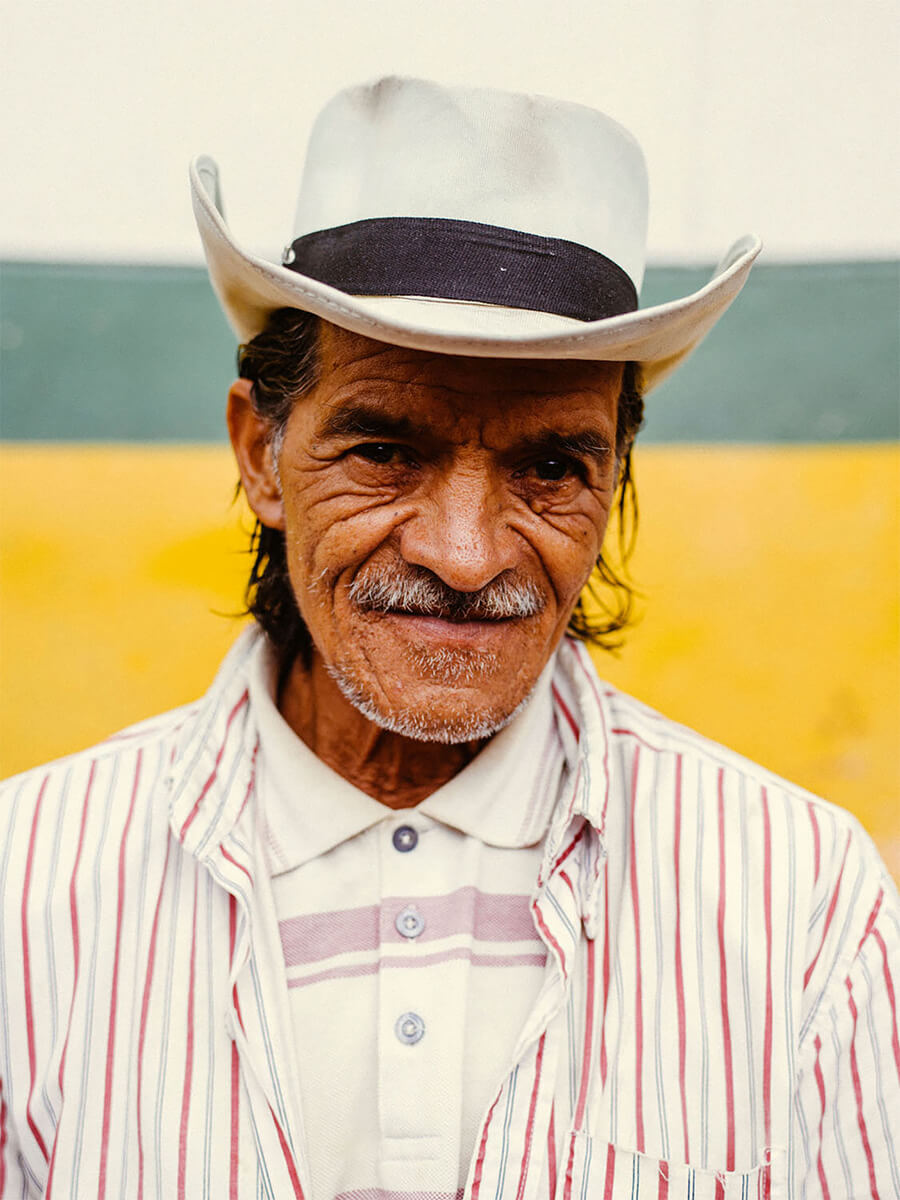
{"x":429,"y":632}
{"x":449,"y":618}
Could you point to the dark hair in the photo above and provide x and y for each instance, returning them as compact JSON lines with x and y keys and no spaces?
{"x":281,"y":363}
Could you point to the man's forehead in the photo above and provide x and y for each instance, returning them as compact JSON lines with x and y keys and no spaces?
{"x":358,"y":375}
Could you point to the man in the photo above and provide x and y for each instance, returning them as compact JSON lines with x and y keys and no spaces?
{"x":411,"y":904}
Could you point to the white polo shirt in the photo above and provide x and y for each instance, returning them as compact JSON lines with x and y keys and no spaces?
{"x":410,"y":950}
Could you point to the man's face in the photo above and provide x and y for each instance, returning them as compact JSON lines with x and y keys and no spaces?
{"x":441,"y":516}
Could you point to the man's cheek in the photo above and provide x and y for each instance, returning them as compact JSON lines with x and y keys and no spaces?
{"x":328,"y":491}
{"x":322,"y":560}
{"x":567,"y":546}
{"x":359,"y":516}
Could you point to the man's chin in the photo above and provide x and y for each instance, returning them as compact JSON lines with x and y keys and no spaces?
{"x":452,"y":666}
{"x":451,"y":719}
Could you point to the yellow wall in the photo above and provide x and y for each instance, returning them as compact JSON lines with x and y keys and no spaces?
{"x":769,"y":578}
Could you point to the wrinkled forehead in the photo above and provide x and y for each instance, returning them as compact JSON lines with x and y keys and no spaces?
{"x":445,"y":391}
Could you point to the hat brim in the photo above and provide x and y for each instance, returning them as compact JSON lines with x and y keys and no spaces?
{"x":660,"y":338}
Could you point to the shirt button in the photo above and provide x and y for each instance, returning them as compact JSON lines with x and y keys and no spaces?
{"x":410,"y":1028}
{"x":405,"y":838}
{"x":410,"y":922}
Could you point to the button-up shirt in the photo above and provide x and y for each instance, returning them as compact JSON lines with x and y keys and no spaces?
{"x":409,"y":944}
{"x":717,"y":1019}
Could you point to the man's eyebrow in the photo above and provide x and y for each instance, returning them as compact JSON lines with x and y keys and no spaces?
{"x":587,"y":443}
{"x":367,"y":421}
{"x":361,"y":420}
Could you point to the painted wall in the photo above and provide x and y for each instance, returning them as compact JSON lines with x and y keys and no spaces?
{"x":769,"y":474}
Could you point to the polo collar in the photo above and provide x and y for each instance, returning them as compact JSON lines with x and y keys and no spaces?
{"x":214,"y":763}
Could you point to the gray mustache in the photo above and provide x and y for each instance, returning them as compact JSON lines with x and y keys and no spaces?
{"x":417,"y":592}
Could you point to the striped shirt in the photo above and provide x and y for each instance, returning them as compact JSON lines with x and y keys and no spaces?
{"x":717,"y":1018}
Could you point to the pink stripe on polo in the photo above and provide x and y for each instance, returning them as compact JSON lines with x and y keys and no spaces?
{"x":387,"y":962}
{"x":484,"y":917}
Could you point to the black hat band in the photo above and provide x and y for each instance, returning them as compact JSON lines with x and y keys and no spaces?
{"x":464,"y":260}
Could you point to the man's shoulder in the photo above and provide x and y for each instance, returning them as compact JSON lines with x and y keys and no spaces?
{"x":631,"y":721}
{"x":119,"y":800}
{"x":158,"y":741}
{"x":82,"y":824}
{"x":685,"y":796}
{"x":65,"y":780}
{"x":707,"y":771}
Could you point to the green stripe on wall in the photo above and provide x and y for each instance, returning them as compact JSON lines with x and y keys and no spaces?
{"x":808,"y":353}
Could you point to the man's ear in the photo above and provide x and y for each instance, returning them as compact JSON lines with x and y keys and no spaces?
{"x":251,"y":440}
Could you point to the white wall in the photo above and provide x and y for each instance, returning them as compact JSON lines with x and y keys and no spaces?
{"x":772,"y":115}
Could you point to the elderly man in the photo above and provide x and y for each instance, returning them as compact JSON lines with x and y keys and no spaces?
{"x":411,"y":904}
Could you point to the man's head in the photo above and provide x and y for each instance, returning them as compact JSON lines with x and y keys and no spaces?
{"x":432,"y":502}
{"x":438,"y":515}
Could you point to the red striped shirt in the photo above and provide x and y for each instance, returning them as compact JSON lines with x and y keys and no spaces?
{"x":733,"y":1033}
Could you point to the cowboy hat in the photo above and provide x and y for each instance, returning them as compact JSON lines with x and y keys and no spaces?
{"x":468,"y":221}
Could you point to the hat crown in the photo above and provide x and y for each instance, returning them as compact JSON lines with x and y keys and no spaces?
{"x":403,"y":147}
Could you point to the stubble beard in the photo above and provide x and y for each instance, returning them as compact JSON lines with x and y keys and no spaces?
{"x":443,"y":667}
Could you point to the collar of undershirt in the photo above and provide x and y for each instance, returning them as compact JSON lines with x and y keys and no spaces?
{"x":504,"y":797}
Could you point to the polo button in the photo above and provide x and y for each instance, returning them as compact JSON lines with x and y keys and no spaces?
{"x":410,"y":1028}
{"x":405,"y":838}
{"x":410,"y":922}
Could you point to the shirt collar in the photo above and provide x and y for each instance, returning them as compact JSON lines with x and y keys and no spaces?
{"x":593,"y":802}
{"x":213,"y":761}
{"x":504,"y":797}
{"x":581,"y":701}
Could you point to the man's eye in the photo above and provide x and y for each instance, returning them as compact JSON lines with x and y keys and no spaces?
{"x":553,"y":469}
{"x":377,"y":452}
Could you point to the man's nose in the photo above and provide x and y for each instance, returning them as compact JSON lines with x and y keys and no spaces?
{"x":460,"y":532}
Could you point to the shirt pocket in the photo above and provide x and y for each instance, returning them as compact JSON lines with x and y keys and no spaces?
{"x":596,"y":1170}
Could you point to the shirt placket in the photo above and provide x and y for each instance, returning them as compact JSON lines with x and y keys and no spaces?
{"x":419,"y":1026}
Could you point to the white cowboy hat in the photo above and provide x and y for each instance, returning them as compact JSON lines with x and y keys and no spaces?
{"x":468,"y":221}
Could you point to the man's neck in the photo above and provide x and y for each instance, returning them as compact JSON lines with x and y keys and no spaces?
{"x":397,"y":771}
